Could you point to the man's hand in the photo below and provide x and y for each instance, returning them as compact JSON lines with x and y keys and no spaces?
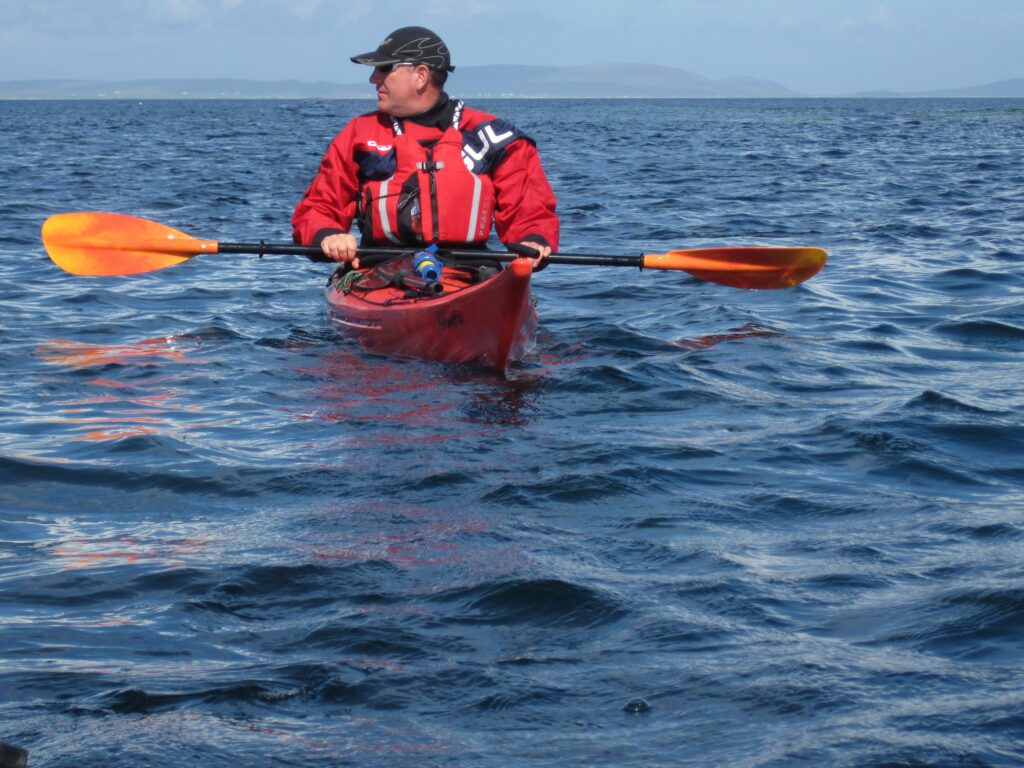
{"x":341,"y":247}
{"x":543,"y":251}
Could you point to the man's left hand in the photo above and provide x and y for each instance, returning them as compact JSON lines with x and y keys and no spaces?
{"x":543,"y":251}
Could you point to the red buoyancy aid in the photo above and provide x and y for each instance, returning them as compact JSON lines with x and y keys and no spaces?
{"x":432,"y":196}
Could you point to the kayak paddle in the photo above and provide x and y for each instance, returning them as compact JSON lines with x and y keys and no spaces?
{"x":105,"y":244}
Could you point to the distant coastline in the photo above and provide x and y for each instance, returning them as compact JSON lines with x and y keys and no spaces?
{"x":492,"y":81}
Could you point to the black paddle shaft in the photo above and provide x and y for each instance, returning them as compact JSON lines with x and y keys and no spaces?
{"x":283,"y":249}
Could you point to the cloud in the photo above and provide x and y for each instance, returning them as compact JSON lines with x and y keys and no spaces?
{"x":305,"y":9}
{"x":880,"y":16}
{"x":63,"y":18}
{"x":460,"y":8}
{"x":188,"y":11}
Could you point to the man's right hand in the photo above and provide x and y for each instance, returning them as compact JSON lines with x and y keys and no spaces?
{"x":341,"y":247}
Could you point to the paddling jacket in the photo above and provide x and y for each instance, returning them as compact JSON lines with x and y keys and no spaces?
{"x":413,"y":184}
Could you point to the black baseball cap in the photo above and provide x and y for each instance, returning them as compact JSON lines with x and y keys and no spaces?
{"x":416,"y":45}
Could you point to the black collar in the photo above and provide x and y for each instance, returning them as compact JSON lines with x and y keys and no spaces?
{"x":438,"y":116}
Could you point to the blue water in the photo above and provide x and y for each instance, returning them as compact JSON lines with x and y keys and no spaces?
{"x":697,"y":526}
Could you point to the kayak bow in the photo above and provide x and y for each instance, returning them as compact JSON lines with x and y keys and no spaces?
{"x":492,"y":322}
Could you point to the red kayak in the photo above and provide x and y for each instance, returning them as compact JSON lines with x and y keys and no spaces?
{"x":490,"y":321}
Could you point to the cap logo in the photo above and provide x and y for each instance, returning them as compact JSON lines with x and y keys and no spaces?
{"x":423,"y":49}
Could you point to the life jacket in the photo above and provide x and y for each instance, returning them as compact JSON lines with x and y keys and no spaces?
{"x":440,"y":191}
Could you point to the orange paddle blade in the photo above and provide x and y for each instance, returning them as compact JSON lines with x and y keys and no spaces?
{"x":756,"y":267}
{"x":114,"y":244}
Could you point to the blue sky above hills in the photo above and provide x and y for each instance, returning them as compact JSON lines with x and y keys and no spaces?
{"x":811,"y":46}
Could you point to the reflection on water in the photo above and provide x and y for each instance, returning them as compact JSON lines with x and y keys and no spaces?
{"x":355,"y":386}
{"x":748,"y":331}
{"x":112,"y":408}
{"x":409,"y":536}
{"x":100,"y":552}
{"x":75,"y":354}
{"x":511,"y":400}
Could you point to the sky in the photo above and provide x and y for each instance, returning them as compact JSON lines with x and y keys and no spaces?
{"x":816,"y":47}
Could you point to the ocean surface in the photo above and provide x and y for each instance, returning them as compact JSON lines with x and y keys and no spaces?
{"x":696,"y":526}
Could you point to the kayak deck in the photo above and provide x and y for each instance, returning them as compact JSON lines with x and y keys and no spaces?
{"x":491,"y":322}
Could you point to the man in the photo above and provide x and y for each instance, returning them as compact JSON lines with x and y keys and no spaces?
{"x":424,"y":168}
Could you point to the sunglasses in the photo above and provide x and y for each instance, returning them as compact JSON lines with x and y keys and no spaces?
{"x":385,"y":69}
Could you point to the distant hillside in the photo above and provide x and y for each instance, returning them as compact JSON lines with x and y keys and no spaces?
{"x":498,"y":80}
{"x":606,"y":80}
{"x":1004,"y":89}
{"x":596,"y":80}
{"x":1012,"y":89}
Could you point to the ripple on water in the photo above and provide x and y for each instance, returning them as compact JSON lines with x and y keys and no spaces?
{"x":538,"y":602}
{"x":985,"y":334}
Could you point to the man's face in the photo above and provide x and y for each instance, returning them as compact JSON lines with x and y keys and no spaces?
{"x":400,"y":88}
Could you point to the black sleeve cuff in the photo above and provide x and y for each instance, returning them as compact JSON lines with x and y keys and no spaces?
{"x":540,"y":240}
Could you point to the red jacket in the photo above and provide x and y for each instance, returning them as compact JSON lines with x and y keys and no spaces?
{"x":525,"y":208}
